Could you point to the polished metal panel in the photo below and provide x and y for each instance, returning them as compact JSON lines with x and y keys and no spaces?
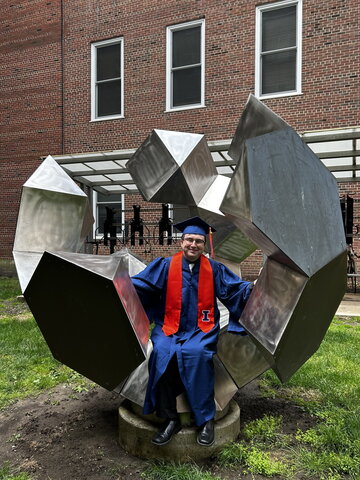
{"x":54,"y":214}
{"x":229,"y":242}
{"x":225,"y":387}
{"x":173,"y":165}
{"x":241,"y":357}
{"x":90,"y":315}
{"x":288,"y":314}
{"x":272,"y":302}
{"x":26,"y":263}
{"x":256,"y":119}
{"x":49,"y":220}
{"x":299,"y":225}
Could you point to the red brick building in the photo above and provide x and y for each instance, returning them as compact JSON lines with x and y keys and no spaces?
{"x":95,"y":76}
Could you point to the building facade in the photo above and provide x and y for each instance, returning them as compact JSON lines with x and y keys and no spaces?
{"x":99,"y":75}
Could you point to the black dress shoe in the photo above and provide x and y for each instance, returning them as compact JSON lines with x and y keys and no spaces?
{"x":206,"y":435}
{"x":163,"y":436}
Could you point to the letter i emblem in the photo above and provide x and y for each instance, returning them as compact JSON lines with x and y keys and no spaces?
{"x":205,"y":316}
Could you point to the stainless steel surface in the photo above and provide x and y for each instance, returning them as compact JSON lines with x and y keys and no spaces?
{"x":54,"y":215}
{"x":26,"y":263}
{"x":173,"y":167}
{"x":89,"y":313}
{"x":294,"y":209}
{"x":49,"y":220}
{"x":225,"y":387}
{"x":256,"y":119}
{"x":288,"y":314}
{"x":241,"y":357}
{"x":229,"y":242}
{"x":272,"y":302}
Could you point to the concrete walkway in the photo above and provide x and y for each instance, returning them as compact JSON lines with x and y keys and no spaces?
{"x":350,"y":305}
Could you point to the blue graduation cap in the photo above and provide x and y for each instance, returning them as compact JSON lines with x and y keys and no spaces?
{"x":194,"y":225}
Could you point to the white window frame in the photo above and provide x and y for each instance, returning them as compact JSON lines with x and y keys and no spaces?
{"x":96,"y":225}
{"x":94,"y":47}
{"x":169,"y":90}
{"x":258,"y":42}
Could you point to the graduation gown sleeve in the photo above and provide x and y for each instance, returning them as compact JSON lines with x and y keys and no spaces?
{"x":233,"y":293}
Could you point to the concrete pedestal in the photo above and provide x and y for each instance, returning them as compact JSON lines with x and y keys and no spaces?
{"x":135,"y":434}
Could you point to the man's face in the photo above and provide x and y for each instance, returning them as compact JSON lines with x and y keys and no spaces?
{"x":193,"y":246}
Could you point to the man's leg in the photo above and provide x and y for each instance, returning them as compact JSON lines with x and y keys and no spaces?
{"x":168,"y":387}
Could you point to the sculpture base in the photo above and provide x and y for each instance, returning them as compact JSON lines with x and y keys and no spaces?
{"x":135,"y":434}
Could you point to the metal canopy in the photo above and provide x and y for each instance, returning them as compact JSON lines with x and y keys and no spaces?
{"x":106,"y":171}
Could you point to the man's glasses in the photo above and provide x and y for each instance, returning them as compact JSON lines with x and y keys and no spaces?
{"x":198,"y":241}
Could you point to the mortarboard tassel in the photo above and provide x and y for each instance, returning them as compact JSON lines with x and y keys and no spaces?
{"x":211,"y":243}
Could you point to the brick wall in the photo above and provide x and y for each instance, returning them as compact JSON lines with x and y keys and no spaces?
{"x":330,"y":79}
{"x":31,"y":98}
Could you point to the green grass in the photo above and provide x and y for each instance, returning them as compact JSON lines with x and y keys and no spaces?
{"x":8,"y":473}
{"x":9,"y":288}
{"x":174,"y":471}
{"x":26,"y":364}
{"x":328,"y":388}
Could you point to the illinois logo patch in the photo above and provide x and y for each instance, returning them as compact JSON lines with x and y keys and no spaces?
{"x":205,"y":315}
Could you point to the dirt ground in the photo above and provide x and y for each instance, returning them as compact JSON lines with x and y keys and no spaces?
{"x":61,"y":434}
{"x":65,"y":435}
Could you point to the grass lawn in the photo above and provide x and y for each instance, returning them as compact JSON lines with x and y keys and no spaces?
{"x":327,"y":386}
{"x":26,"y":364}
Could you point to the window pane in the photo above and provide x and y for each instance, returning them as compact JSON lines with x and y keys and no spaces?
{"x":186,"y":47}
{"x":187,"y":86}
{"x":108,"y":62}
{"x":279,"y":28}
{"x":109,"y":98}
{"x":111,"y":197}
{"x":180,"y":213}
{"x":102,"y":216}
{"x":279,"y":72}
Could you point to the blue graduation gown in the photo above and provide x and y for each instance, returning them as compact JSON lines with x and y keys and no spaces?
{"x":193,"y":348}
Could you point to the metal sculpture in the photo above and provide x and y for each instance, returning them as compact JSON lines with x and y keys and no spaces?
{"x":280,"y":198}
{"x":285,"y":201}
{"x":85,"y":305}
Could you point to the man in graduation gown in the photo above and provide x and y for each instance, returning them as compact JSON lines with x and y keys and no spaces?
{"x":179,"y":295}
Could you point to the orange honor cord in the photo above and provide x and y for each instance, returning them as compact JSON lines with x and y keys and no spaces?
{"x":211,"y":243}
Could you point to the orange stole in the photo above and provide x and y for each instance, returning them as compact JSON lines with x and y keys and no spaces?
{"x":206,"y":312}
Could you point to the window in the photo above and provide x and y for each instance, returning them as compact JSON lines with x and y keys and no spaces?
{"x":185,"y":65}
{"x":108,"y":208}
{"x":278,"y":49}
{"x":107,"y":79}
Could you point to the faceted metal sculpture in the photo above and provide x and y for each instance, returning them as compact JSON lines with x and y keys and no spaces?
{"x":54,"y":214}
{"x":85,"y":305}
{"x":89,"y":313}
{"x":280,"y":198}
{"x":173,"y":165}
{"x":177,"y":167}
{"x":285,"y":201}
